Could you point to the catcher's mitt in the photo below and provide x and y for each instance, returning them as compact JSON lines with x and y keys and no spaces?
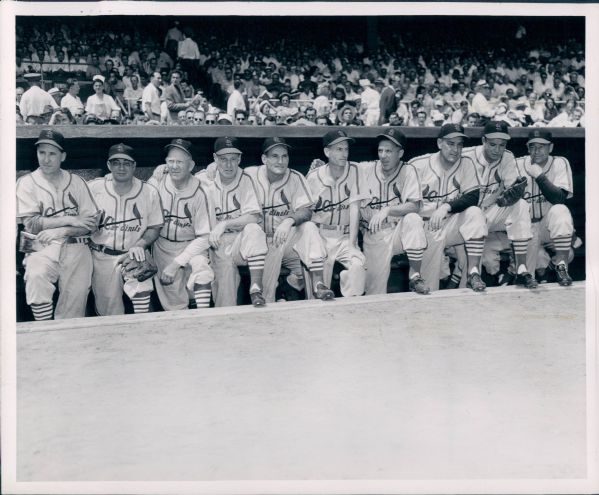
{"x":140,"y":270}
{"x":513,"y":193}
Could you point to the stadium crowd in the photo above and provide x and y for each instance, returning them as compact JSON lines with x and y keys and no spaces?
{"x":207,"y":77}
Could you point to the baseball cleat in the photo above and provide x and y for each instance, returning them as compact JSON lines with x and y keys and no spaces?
{"x":527,"y":280}
{"x":475,"y":282}
{"x":258,"y":299}
{"x":563,"y":278}
{"x":418,"y":285}
{"x":323,"y":292}
{"x":504,"y":279}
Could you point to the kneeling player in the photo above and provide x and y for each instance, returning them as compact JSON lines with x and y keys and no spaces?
{"x":286,"y":209}
{"x":181,"y":250}
{"x":131,"y":221}
{"x":389,"y":218}
{"x":450,"y":197}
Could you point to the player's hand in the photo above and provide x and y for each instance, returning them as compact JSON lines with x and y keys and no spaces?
{"x":211,"y":171}
{"x":216,"y":234}
{"x":436,"y":220}
{"x":377,"y":220}
{"x":533,"y":170}
{"x":49,"y":235}
{"x":317,"y":162}
{"x":168,"y":275}
{"x":137,"y":253}
{"x":85,"y":222}
{"x":282,"y":232}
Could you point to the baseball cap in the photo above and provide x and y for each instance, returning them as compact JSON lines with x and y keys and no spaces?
{"x":49,"y":136}
{"x":179,"y":143}
{"x":226,"y":117}
{"x":225,"y":144}
{"x":334,"y":137}
{"x":539,"y":136}
{"x":496,"y":129}
{"x":394,"y":135}
{"x":121,"y":151}
{"x":271,"y":142}
{"x":451,"y":130}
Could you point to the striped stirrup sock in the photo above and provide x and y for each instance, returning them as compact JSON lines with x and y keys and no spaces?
{"x":42,"y":311}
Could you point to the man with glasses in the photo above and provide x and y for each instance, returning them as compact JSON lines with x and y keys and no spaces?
{"x":130,"y":223}
{"x":181,"y":250}
{"x":199,"y":117}
{"x":236,"y":239}
{"x":211,"y":118}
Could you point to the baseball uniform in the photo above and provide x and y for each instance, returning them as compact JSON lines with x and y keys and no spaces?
{"x":124,"y":220}
{"x":331,"y":216}
{"x":303,"y":245}
{"x":188,"y":220}
{"x":66,"y":261}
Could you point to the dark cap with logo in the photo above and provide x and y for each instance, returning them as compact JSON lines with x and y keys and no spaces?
{"x":497,"y":129}
{"x":449,"y":131}
{"x":48,"y":136}
{"x":271,"y":142}
{"x":181,"y":144}
{"x":121,"y":151}
{"x":539,"y":136}
{"x":393,"y":134}
{"x":225,"y":144}
{"x":334,"y":137}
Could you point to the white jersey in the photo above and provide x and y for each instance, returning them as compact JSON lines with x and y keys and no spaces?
{"x":494,"y":177}
{"x":557,"y":170}
{"x":125,"y":218}
{"x":235,"y":199}
{"x":279,"y":199}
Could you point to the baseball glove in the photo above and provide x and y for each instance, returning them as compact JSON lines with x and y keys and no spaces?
{"x":140,"y":270}
{"x":513,"y":193}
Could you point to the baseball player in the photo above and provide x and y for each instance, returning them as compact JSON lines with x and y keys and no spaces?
{"x":450,"y":190}
{"x":389,"y":215}
{"x":336,"y":190}
{"x":181,"y":250}
{"x":58,"y":213}
{"x":131,"y":221}
{"x":497,"y":171}
{"x":286,"y":210}
{"x":549,"y":186}
{"x":236,"y":239}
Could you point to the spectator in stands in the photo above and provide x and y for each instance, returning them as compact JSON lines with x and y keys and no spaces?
{"x":473,"y":120}
{"x":133,"y":94}
{"x":93,"y":68}
{"x":387,"y":101}
{"x":189,"y":54}
{"x":369,"y":100}
{"x":421,"y":119}
{"x":235,"y":100}
{"x":480,"y":103}
{"x":550,"y":111}
{"x":347,"y":113}
{"x":99,"y":105}
{"x":150,"y":99}
{"x":115,"y":87}
{"x":35,"y":100}
{"x":323,"y":120}
{"x":71,"y":100}
{"x":174,"y":97}
{"x":241,"y":117}
{"x":19,"y":94}
{"x":460,"y":116}
{"x":59,"y":65}
{"x":572,"y":116}
{"x":172,"y":39}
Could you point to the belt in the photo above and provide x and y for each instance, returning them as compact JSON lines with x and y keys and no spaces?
{"x":77,"y":240}
{"x":536,"y":220}
{"x":338,"y":228}
{"x":384,"y":225}
{"x":106,"y":250}
{"x":170,"y":240}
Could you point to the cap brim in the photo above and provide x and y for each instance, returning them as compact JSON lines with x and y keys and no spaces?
{"x":498,"y":135}
{"x":274,"y":145}
{"x":454,"y":134}
{"x":124,"y":156}
{"x":225,"y":151}
{"x":49,"y":141}
{"x":168,"y":146}
{"x":538,"y":140}
{"x":384,"y":136}
{"x":339,"y":139}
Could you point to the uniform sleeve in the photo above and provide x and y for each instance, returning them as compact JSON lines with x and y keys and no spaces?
{"x":247,"y":196}
{"x":27,"y":204}
{"x":509,"y":171}
{"x":562,"y":175}
{"x":203,"y":220}
{"x":357,"y":190}
{"x":411,"y":189}
{"x":155,"y":214}
{"x":87,"y":204}
{"x":468,"y":177}
{"x":302,"y":197}
{"x":159,"y":172}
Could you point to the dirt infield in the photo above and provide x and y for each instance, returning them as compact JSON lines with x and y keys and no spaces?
{"x":448,"y":386}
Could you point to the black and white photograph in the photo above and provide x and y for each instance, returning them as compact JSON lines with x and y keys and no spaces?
{"x":300,"y":247}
